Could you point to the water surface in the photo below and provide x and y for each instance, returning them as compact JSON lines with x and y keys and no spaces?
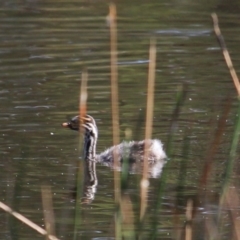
{"x":44,"y":47}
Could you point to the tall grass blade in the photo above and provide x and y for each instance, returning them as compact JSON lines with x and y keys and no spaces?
{"x":182,"y":180}
{"x":181,"y":95}
{"x":232,"y":156}
{"x":235,"y":140}
{"x":126,"y":206}
{"x":80,"y":169}
{"x":214,"y":145}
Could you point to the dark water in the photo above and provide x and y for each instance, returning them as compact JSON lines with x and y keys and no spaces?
{"x":45,"y":45}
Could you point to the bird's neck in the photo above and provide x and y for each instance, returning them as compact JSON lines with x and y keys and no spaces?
{"x":90,"y":143}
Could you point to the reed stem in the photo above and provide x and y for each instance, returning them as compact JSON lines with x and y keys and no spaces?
{"x":26,"y":221}
{"x":114,"y":92}
{"x":235,"y":140}
{"x":148,"y":129}
{"x":189,"y":216}
{"x":115,"y":112}
{"x":48,"y":210}
{"x":225,"y":53}
{"x":80,"y":171}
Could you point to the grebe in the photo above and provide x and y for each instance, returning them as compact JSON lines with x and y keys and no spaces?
{"x":133,"y":150}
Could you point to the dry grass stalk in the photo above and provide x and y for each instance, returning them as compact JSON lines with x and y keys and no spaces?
{"x":83,"y":96}
{"x":211,"y":228}
{"x":48,"y":210}
{"x":115,"y":110}
{"x":149,"y":118}
{"x":27,"y":221}
{"x":80,"y":172}
{"x":189,"y":215}
{"x":233,"y":202}
{"x":225,"y":52}
{"x":114,"y":92}
{"x":82,"y":113}
{"x":82,"y":108}
{"x":127,"y":215}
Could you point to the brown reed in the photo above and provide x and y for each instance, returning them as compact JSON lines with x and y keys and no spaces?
{"x":148,"y":128}
{"x":48,"y":210}
{"x":227,"y":194}
{"x":115,"y":110}
{"x":214,"y":145}
{"x":80,"y":171}
{"x":189,"y":216}
{"x":237,"y":86}
{"x":114,"y":91}
{"x":233,"y":203}
{"x":83,"y":96}
{"x":82,"y":113}
{"x":127,"y":215}
{"x":26,"y":221}
{"x":225,"y":52}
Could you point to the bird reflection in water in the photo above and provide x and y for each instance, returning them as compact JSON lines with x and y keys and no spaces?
{"x":90,"y":183}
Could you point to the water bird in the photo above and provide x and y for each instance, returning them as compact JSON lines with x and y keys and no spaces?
{"x":133,"y":151}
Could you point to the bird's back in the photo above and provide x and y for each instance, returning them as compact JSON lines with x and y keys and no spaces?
{"x":134,"y":152}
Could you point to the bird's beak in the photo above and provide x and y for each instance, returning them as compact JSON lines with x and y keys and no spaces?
{"x":65,"y":124}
